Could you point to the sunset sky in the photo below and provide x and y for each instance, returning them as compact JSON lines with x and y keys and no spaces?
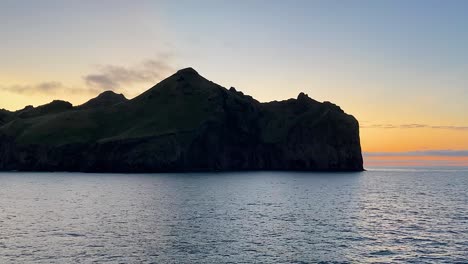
{"x":400,"y":67}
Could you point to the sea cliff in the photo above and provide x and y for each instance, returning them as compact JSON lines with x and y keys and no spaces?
{"x":184,"y":123}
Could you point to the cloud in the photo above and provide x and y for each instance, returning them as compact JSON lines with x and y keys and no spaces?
{"x":378,"y":126}
{"x":373,"y":163}
{"x":50,"y":87}
{"x":47,"y":87}
{"x":420,"y":153}
{"x":411,"y":126}
{"x":114,"y":76}
{"x":108,"y":77}
{"x":425,"y":158}
{"x":451,"y":127}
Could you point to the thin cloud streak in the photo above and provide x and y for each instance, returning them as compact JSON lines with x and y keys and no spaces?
{"x":415,"y":163}
{"x":419,"y":153}
{"x":50,"y":87}
{"x":412,"y":126}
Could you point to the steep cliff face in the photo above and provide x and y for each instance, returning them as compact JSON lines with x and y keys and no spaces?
{"x":184,"y":123}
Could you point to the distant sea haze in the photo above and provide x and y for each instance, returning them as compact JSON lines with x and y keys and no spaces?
{"x":406,"y":215}
{"x":423,"y":158}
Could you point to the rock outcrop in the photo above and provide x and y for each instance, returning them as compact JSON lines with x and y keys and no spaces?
{"x":184,"y":123}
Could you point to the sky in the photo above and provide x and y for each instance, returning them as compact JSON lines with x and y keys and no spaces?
{"x":400,"y":67}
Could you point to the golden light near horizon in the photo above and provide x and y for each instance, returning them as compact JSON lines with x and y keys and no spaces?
{"x":401,"y":139}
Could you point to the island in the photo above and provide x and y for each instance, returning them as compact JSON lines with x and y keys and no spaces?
{"x":185,"y":123}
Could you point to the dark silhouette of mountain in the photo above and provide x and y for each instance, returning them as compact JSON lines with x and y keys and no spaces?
{"x":106,"y":98}
{"x":184,"y":123}
{"x":56,"y":106}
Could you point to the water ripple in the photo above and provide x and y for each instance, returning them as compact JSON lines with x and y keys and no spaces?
{"x":386,"y":216}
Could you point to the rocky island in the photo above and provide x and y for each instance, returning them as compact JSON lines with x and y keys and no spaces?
{"x":184,"y":123}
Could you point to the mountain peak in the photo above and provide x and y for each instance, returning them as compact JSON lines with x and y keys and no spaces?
{"x":104,"y":99}
{"x":55,"y":106}
{"x":305,"y":99}
{"x":302,"y":96}
{"x":108,"y":93}
{"x":112,"y":96}
{"x":187,"y":71}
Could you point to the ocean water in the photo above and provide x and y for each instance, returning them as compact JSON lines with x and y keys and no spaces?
{"x":379,"y":216}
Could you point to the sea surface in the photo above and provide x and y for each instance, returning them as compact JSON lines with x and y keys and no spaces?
{"x":404,"y":215}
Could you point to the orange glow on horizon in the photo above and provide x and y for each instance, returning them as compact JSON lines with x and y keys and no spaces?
{"x":398,"y":139}
{"x":413,"y":139}
{"x":391,"y":161}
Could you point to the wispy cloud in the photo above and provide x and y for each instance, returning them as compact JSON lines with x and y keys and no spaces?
{"x":378,"y":126}
{"x":370,"y":163}
{"x":425,"y":158}
{"x":50,"y":87}
{"x":115,"y":76}
{"x":419,"y":153}
{"x":107,"y":77}
{"x":412,"y":126}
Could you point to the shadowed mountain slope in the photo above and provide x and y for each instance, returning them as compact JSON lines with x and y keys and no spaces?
{"x":107,"y":98}
{"x":184,"y":123}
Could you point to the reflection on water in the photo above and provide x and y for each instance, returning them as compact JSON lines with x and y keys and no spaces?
{"x":265,"y":217}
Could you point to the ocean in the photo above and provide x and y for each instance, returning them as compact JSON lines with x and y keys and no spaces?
{"x":383,"y":215}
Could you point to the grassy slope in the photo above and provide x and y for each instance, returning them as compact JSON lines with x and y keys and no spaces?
{"x":179,"y":103}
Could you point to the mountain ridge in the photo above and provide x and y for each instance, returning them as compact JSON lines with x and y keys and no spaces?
{"x":183,"y":123}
